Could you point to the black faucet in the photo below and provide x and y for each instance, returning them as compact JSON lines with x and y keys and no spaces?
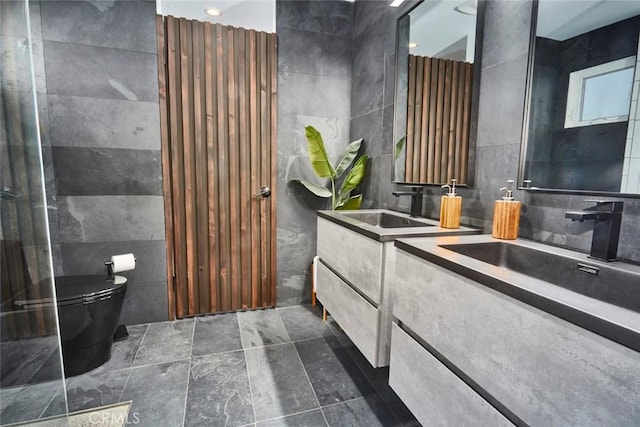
{"x":416,"y":200}
{"x":607,"y":216}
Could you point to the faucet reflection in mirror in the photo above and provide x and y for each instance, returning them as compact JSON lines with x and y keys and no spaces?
{"x":582,"y":99}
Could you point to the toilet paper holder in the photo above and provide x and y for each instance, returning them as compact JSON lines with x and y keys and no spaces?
{"x":110,"y":268}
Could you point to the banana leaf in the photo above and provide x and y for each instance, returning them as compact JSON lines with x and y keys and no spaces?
{"x":314,"y":188}
{"x":352,"y":204}
{"x":318,"y":155}
{"x":347,"y":157}
{"x":400,"y":145}
{"x":355,"y":175}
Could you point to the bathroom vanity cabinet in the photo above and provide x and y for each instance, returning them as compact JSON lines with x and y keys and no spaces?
{"x":350,"y":286}
{"x":356,"y":250}
{"x":463,"y":353}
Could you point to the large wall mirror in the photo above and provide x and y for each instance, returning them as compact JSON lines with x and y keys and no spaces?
{"x":584,"y":77}
{"x":435,"y":100}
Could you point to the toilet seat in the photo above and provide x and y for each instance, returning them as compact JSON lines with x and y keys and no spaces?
{"x":87,"y":289}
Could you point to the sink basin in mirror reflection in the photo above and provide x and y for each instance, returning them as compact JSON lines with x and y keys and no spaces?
{"x":607,"y":282}
{"x":385,"y":219}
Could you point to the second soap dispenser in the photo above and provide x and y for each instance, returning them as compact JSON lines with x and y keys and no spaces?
{"x":506,"y":215}
{"x":450,"y":207}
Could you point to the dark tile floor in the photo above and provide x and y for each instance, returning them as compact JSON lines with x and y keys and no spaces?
{"x":282,"y":367}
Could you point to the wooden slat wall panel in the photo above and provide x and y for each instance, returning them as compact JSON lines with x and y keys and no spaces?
{"x":438,"y":120}
{"x":218,"y":92}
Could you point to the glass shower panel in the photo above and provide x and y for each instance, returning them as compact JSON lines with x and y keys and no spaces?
{"x":31,"y":374}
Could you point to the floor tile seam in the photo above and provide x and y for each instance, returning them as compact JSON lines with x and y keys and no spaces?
{"x":140,"y":346}
{"x":12,"y":397}
{"x":66,"y":404}
{"x":186,"y":393}
{"x":282,"y":343}
{"x":161,"y":363}
{"x":246,"y":367}
{"x":126,"y":383}
{"x":281,"y":417}
{"x":284,"y":327}
{"x":215,"y":354}
{"x":306,"y":374}
{"x":193,"y":335}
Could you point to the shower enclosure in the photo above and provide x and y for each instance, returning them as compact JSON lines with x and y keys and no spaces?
{"x":31,"y":373}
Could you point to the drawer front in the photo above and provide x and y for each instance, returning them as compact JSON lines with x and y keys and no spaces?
{"x":354,"y":314}
{"x":545,"y":370}
{"x":434,"y":394}
{"x":357,"y":258}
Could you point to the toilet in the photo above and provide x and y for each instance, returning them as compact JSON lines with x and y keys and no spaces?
{"x":88,"y":310}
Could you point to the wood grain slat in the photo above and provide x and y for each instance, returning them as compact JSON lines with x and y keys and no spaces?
{"x":254,"y":173}
{"x":264,"y":168}
{"x":273,"y":57}
{"x":200,"y":133}
{"x":411,"y":105}
{"x":459,"y":121}
{"x":241,"y":44}
{"x":188,"y":124}
{"x":433,"y":101}
{"x":212,"y":165}
{"x":417,"y":121}
{"x":426,"y":93}
{"x":233,"y":171}
{"x":177,"y":172}
{"x":166,"y":160}
{"x":464,"y":157}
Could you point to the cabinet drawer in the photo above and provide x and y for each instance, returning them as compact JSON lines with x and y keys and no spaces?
{"x":543,"y":369}
{"x":434,"y":394}
{"x":354,"y":314}
{"x":339,"y":247}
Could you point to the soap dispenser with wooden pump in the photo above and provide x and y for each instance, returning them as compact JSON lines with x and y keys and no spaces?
{"x":450,"y":207}
{"x":506,"y":215}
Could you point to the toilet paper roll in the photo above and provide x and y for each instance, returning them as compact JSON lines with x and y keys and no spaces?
{"x":124,"y":262}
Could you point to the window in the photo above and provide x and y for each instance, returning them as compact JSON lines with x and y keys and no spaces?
{"x":600,"y":94}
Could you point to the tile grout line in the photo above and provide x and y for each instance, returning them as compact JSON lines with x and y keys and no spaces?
{"x":186,"y":393}
{"x":246,"y":366}
{"x":306,"y":374}
{"x":131,"y":367}
{"x":281,"y":417}
{"x":186,"y":390}
{"x":140,"y":346}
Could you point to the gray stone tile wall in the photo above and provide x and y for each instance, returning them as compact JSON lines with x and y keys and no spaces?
{"x":505,"y":53}
{"x":314,"y":87}
{"x":100,"y":116}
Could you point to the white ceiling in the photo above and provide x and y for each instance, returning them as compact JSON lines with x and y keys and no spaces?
{"x":563,"y":19}
{"x":251,"y":14}
{"x":435,"y":25}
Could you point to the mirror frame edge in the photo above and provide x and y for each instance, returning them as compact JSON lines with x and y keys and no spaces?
{"x":475,"y":103}
{"x":525,"y":127}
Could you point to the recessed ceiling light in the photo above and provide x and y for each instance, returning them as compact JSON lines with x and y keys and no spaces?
{"x":213,"y":12}
{"x":413,"y":45}
{"x":396,"y":3}
{"x":469,"y":7}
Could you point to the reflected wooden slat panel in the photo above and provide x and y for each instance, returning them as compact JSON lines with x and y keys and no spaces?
{"x":438,"y":120}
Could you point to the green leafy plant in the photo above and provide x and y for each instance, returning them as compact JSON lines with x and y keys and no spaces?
{"x":342,"y":199}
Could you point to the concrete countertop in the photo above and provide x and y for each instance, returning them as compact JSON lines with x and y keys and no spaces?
{"x":432,"y":227}
{"x":611,"y":321}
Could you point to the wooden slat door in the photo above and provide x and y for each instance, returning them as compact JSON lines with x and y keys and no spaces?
{"x":218,"y":113}
{"x":438,"y":120}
